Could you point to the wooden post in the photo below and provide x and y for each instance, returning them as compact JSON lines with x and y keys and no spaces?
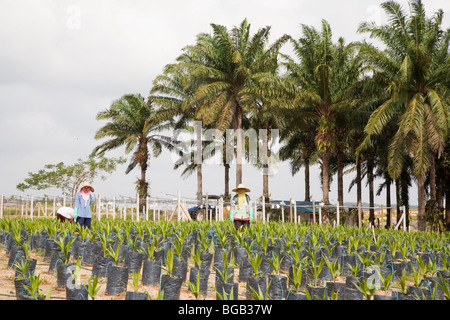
{"x":221,"y":209}
{"x":295,"y":212}
{"x":290,"y":210}
{"x":45,"y":206}
{"x":282,"y":211}
{"x":314,"y":212}
{"x":21,"y":203}
{"x":382,"y":215}
{"x":320,"y":215}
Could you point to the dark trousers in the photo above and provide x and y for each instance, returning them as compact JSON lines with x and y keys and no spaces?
{"x":241,"y":223}
{"x":84,"y":222}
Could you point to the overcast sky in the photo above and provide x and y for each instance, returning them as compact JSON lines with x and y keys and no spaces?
{"x":64,"y":61}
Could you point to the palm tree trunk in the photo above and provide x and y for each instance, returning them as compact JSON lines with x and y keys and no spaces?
{"x":325,"y":178}
{"x":404,"y":194}
{"x":398,"y":198}
{"x":421,"y":218}
{"x":307,"y":185}
{"x":388,"y":202}
{"x":266,"y":182}
{"x":239,"y":144}
{"x":265,"y":146}
{"x":447,"y":206}
{"x":340,"y":174}
{"x":142,"y":159}
{"x":433,"y":179}
{"x":359,"y":184}
{"x":227,"y":181}
{"x":198,"y":161}
{"x":199,"y":184}
{"x":370,"y":167}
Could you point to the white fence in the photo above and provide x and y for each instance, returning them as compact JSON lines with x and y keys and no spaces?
{"x":176,"y":208}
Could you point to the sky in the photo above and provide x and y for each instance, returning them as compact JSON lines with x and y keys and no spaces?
{"x":64,"y":61}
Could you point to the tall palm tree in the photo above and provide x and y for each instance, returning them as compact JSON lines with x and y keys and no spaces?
{"x":222,"y":68}
{"x":299,"y":147}
{"x":414,"y":68}
{"x":323,"y":80}
{"x":131,"y":122}
{"x":173,"y":95}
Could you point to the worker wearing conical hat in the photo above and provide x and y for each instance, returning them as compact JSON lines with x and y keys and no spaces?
{"x":241,"y":212}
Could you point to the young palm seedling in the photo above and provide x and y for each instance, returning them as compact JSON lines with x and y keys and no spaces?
{"x":334,"y":268}
{"x":367,"y":289}
{"x":195,"y":287}
{"x":255,"y":261}
{"x":297,"y":273}
{"x":114,"y":254}
{"x":92,"y":287}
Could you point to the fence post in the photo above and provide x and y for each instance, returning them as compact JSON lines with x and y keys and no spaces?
{"x":282,"y":210}
{"x":221,"y":209}
{"x":314,"y":212}
{"x":295,"y":212}
{"x":320,"y":214}
{"x":290,"y":210}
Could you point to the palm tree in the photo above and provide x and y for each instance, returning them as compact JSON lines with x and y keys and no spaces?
{"x":132,"y":123}
{"x":323,"y":81}
{"x":173,"y":95}
{"x":299,"y":147}
{"x":221,"y":69}
{"x":414,"y":69}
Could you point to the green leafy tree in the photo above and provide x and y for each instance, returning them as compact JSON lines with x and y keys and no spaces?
{"x":68,"y":178}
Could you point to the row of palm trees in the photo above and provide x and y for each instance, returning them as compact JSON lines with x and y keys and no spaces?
{"x":377,"y":112}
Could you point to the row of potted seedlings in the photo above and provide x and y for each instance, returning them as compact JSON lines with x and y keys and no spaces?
{"x":273,"y":260}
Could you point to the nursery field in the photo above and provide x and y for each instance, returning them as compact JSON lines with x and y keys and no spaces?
{"x":147,"y":260}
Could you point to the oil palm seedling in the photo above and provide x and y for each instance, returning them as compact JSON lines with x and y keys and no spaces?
{"x":444,"y":285}
{"x":92,"y":287}
{"x":366,"y":288}
{"x":296,"y":278}
{"x":333,"y":267}
{"x":195,"y":287}
{"x":34,"y":290}
{"x":315,"y":270}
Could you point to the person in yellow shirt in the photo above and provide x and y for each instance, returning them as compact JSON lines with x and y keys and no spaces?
{"x":241,"y":212}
